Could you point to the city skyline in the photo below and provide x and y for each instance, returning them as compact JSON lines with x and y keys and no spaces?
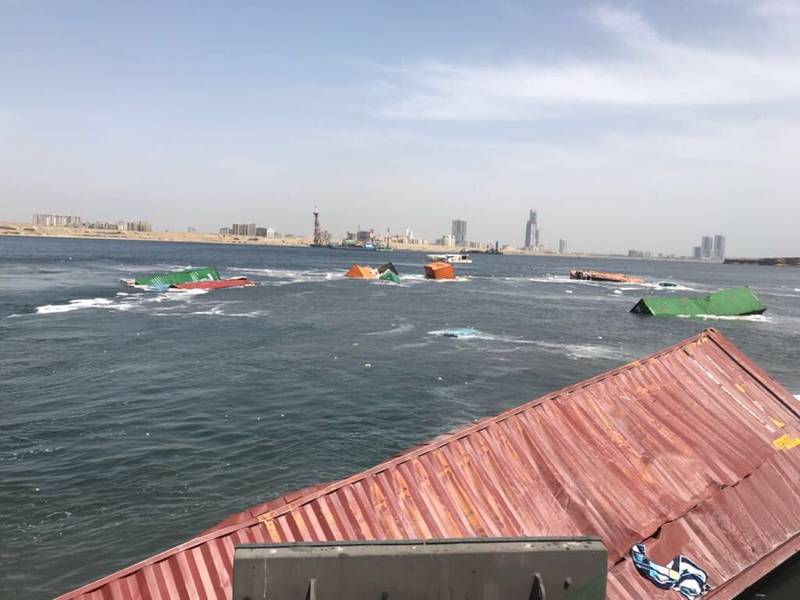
{"x":590,"y":111}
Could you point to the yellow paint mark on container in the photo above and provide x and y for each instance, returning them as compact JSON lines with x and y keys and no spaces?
{"x":785,"y":442}
{"x":778,"y":423}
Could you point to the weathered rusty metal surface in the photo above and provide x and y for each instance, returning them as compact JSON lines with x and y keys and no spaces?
{"x":692,"y":451}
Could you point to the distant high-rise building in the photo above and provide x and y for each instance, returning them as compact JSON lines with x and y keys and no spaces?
{"x":707,"y":246}
{"x":719,"y":246}
{"x":532,"y":234}
{"x":244,"y":229}
{"x":56,"y":220}
{"x":697,"y":252}
{"x":562,"y":246}
{"x":459,"y":231}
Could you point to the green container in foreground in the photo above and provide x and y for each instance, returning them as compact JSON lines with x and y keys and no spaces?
{"x":176,"y":277}
{"x":389,"y":276}
{"x":725,"y":303}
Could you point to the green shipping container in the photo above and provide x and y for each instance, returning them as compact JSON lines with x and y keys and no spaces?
{"x":725,"y":303}
{"x":175,"y":277}
{"x":389,"y":276}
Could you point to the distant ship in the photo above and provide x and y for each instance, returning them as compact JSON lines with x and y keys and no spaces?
{"x":454,"y":259}
{"x":354,"y":245}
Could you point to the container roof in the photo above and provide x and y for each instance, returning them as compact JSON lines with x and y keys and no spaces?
{"x":735,"y":301}
{"x":692,"y":451}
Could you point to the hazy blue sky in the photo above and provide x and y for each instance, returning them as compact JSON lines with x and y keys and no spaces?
{"x":627,"y":125}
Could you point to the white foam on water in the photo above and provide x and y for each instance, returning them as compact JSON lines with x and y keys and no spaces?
{"x":396,"y":329}
{"x":572,"y":351}
{"x":79,"y":304}
{"x":753,"y":318}
{"x":290,"y":276}
{"x":577,"y":351}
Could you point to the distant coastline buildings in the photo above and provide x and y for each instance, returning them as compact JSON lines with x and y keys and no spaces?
{"x":41,"y":220}
{"x":48,"y":220}
{"x":710,"y":247}
{"x":249,"y":230}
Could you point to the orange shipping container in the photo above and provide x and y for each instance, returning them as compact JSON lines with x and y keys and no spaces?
{"x":439,"y":270}
{"x":362,"y":272}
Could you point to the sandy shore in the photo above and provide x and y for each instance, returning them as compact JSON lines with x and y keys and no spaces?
{"x":24,"y":229}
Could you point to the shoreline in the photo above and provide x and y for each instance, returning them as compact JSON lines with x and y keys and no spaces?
{"x":20,"y":230}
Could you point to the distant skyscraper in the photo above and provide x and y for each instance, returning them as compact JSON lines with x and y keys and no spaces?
{"x":459,"y":231}
{"x":697,"y":252}
{"x":562,"y":246}
{"x":707,"y":246}
{"x":532,"y":235}
{"x":719,"y":246}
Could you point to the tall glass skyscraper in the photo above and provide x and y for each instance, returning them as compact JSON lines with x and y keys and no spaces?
{"x":460,"y":231}
{"x":719,"y":246}
{"x":532,"y":235}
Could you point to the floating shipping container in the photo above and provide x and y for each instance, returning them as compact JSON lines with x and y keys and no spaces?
{"x":732,"y":302}
{"x":215,"y":285}
{"x":439,"y":270}
{"x":165,"y":280}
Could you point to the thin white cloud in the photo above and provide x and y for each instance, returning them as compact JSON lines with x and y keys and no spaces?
{"x":656,"y":72}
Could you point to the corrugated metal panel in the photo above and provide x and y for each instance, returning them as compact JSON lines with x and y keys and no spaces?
{"x":175,"y":277}
{"x":735,"y":301}
{"x":440,"y":270}
{"x":215,"y":285}
{"x":693,"y":451}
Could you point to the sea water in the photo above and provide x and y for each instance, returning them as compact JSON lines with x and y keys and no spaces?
{"x":131,"y":420}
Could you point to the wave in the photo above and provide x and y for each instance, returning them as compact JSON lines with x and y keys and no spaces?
{"x":219,"y":311}
{"x":628,"y":287}
{"x":753,"y":318}
{"x":572,"y":351}
{"x":402,"y":328}
{"x":122,"y":301}
{"x":290,"y":276}
{"x":79,"y":304}
{"x":576,"y":351}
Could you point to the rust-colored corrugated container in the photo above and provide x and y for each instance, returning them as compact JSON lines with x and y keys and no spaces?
{"x":691,"y":452}
{"x":361,"y":272}
{"x":215,"y":285}
{"x":440,"y":270}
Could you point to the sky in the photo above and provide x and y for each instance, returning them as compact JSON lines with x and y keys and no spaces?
{"x":625,"y":124}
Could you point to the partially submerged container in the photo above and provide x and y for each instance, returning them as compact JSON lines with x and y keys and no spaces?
{"x":361,"y":272}
{"x":389,"y":276}
{"x":388,"y":267}
{"x":165,"y":280}
{"x":439,"y":270}
{"x":460,"y":332}
{"x":216,"y":285}
{"x":733,"y":302}
{"x":604,"y":276}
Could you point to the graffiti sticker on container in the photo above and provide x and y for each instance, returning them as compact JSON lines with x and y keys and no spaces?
{"x":680,"y":574}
